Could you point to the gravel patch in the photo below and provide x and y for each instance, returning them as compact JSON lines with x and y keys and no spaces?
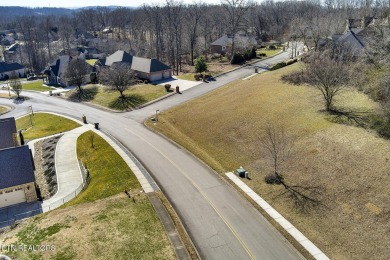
{"x":45,"y":173}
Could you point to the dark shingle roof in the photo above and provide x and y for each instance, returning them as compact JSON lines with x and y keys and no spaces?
{"x":148,"y":65}
{"x":7,"y":129}
{"x":6,"y":67}
{"x":119,"y":56}
{"x":16,"y":167}
{"x":59,"y":65}
{"x":13,"y":47}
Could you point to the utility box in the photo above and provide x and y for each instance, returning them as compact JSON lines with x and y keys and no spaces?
{"x":241,"y":172}
{"x":84,"y":119}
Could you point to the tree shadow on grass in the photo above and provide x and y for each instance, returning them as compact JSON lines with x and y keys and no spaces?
{"x":305,"y":198}
{"x":350,"y":117}
{"x":86,"y":94}
{"x":127,"y":102}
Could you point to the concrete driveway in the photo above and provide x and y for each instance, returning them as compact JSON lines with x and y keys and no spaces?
{"x":183,"y":84}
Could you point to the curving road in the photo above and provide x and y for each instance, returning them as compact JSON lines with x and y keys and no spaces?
{"x":221,"y":223}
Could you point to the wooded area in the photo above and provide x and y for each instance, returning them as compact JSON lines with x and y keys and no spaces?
{"x":174,"y":32}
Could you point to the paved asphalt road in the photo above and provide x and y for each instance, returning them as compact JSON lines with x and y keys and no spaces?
{"x":221,"y":223}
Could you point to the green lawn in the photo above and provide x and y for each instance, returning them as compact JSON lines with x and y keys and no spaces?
{"x":109,"y":173}
{"x":268,"y":52}
{"x":37,"y":86}
{"x":187,"y":76}
{"x":44,"y":124}
{"x":91,"y":61}
{"x":346,"y":167}
{"x":135,"y":96}
{"x":3,"y":109}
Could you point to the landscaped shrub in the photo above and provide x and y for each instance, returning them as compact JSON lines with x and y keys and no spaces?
{"x":291,"y":61}
{"x":296,"y":78}
{"x":262,"y":54}
{"x":278,"y":66}
{"x":237,"y":58}
{"x":272,"y":47}
{"x":167,"y":87}
{"x":381,"y":125}
{"x":253,"y":53}
{"x":247,"y":55}
{"x":200,"y":64}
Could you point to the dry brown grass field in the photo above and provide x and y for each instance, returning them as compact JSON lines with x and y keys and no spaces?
{"x":350,"y":165}
{"x":112,"y":228}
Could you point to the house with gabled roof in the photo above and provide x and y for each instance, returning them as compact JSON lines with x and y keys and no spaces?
{"x":242,"y":41}
{"x":149,"y":69}
{"x":56,"y":70}
{"x":8,"y":133}
{"x":17,"y":179}
{"x":7,"y":70}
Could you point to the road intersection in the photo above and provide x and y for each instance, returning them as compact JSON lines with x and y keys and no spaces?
{"x":221,"y":223}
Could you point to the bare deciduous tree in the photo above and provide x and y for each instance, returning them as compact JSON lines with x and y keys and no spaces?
{"x":77,"y":71}
{"x":236,"y":10}
{"x":118,"y":79}
{"x":15,"y":84}
{"x":278,"y":144}
{"x":328,"y":75}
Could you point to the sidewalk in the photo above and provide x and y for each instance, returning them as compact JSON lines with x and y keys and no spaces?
{"x":294,"y":232}
{"x":69,"y":178}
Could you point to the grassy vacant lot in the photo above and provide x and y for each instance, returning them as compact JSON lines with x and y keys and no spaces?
{"x":135,"y":96}
{"x":109,"y":173}
{"x":44,"y":124}
{"x":36,"y":85}
{"x":350,"y":165}
{"x":113,"y":228}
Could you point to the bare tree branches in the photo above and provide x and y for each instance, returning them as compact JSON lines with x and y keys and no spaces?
{"x":15,"y":84}
{"x":77,"y":72}
{"x":119,"y":78}
{"x":327,"y":75}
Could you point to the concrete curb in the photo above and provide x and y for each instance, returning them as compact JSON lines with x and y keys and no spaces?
{"x":156,"y":100}
{"x":146,"y":186}
{"x":169,"y":226}
{"x":294,"y":232}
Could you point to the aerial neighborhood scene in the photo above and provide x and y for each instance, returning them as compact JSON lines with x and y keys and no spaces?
{"x":180,"y":129}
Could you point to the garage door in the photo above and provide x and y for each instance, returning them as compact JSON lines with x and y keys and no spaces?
{"x":156,"y":76}
{"x":167,"y":74}
{"x":11,"y":198}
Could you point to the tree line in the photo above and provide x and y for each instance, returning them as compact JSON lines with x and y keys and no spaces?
{"x":177,"y":33}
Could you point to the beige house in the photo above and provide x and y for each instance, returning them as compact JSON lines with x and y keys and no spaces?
{"x":17,"y":176}
{"x":17,"y":179}
{"x":149,"y":69}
